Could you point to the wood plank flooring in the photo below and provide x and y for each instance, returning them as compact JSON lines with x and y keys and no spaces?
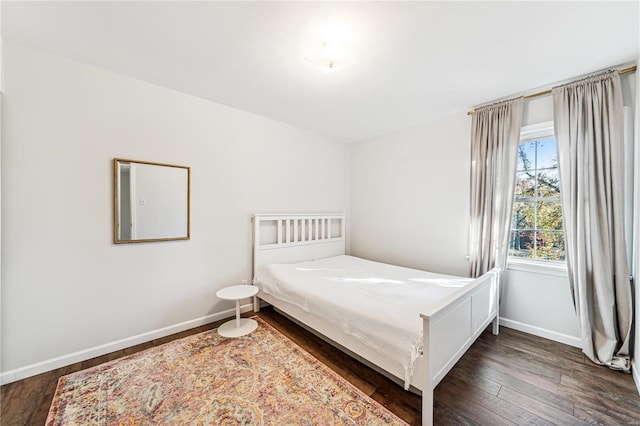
{"x":513,"y":378}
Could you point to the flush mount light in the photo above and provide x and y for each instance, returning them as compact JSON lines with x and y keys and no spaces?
{"x":330,"y":57}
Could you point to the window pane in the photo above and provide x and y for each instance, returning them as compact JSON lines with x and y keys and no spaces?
{"x":548,"y":183}
{"x":549,"y":215}
{"x":525,"y":184}
{"x":546,"y":154}
{"x":527,"y":156}
{"x":536,"y":224}
{"x":522,"y":244}
{"x":523,"y":216}
{"x":550,"y":245}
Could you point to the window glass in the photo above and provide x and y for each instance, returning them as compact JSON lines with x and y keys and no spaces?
{"x":536,"y":225}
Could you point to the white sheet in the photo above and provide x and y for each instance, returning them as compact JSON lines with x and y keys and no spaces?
{"x":376,"y":303}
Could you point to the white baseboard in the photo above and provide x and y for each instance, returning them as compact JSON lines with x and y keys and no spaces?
{"x":542,"y":332}
{"x":72,"y":358}
{"x":635,"y":371}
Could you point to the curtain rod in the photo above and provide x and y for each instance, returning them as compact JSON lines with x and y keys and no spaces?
{"x":546,"y":92}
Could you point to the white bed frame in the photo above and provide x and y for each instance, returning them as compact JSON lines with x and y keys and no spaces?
{"x":449,"y":328}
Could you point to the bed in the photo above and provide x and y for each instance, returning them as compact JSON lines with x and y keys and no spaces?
{"x":410,"y":325}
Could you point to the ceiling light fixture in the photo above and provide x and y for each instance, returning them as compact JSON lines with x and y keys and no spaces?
{"x":330,"y":57}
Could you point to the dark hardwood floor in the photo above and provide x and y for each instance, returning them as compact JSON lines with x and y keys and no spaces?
{"x":513,"y":378}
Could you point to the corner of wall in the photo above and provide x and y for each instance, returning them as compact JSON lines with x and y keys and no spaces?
{"x":636,"y":375}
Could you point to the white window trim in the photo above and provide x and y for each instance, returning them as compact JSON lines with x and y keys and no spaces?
{"x":538,"y":266}
{"x":536,"y":131}
{"x":546,"y":267}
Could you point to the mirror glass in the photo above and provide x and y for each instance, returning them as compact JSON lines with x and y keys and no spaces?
{"x":151,"y":201}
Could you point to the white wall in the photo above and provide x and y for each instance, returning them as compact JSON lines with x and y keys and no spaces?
{"x":67,"y":290}
{"x":539,"y":303}
{"x":1,"y":95}
{"x":409,"y":192}
{"x":1,"y":55}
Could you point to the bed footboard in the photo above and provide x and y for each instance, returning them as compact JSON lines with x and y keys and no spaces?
{"x":450,"y":328}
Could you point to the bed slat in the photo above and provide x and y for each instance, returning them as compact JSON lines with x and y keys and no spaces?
{"x":279,"y":237}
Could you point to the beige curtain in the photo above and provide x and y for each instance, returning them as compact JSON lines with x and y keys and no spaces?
{"x":589,"y":131}
{"x":495,"y":134}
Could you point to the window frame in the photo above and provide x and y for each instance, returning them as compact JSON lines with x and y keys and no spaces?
{"x":550,"y":267}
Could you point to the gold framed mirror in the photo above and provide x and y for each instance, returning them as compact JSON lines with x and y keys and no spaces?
{"x":151,"y":201}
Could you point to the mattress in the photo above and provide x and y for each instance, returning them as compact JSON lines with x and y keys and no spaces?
{"x":375,"y":303}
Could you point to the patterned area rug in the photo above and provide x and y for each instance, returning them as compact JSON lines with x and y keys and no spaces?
{"x":205,"y":379}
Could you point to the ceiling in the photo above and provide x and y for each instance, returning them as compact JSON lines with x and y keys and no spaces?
{"x":416,"y":61}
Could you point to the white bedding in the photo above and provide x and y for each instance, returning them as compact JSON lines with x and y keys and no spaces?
{"x":376,"y":303}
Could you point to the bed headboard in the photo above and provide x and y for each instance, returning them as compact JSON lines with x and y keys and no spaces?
{"x":288,"y":238}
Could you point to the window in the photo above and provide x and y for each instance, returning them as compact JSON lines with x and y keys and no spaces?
{"x":536,"y":225}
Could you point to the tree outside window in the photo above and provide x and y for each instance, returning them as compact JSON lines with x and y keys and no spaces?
{"x":536,"y":226}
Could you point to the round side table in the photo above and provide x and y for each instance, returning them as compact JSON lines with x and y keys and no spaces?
{"x":239,"y":326}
